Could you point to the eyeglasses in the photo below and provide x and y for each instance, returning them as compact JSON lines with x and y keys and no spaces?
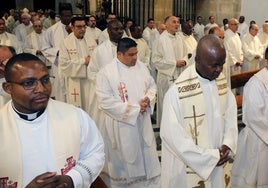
{"x":30,"y":84}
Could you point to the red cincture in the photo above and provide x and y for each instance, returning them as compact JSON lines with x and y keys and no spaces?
{"x":68,"y":166}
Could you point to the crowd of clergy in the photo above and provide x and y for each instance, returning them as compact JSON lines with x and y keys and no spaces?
{"x":82,"y":59}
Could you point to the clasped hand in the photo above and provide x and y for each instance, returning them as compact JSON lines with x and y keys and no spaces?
{"x":224,"y":154}
{"x":144,"y":103}
{"x":51,"y":179}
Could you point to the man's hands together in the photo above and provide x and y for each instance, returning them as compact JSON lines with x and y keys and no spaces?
{"x":51,"y":179}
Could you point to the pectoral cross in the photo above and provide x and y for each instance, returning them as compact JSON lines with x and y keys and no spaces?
{"x":75,"y":94}
{"x":193,"y":130}
{"x":173,"y":79}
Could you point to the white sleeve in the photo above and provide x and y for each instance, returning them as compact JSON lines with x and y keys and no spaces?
{"x":91,"y":157}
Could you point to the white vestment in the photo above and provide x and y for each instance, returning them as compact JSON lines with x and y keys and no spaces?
{"x":198,"y":31}
{"x":102,"y":55}
{"x":250,"y":164}
{"x":103,"y":36}
{"x":251,"y":47}
{"x":144,"y":52}
{"x":72,"y":66}
{"x":4,"y":97}
{"x":54,"y":36}
{"x":131,"y":157}
{"x":64,"y":139}
{"x":166,"y":51}
{"x":198,"y":117}
{"x":190,"y":42}
{"x":34,"y":42}
{"x":233,"y":46}
{"x":21,"y":31}
{"x":94,"y":33}
{"x":150,"y":35}
{"x":10,"y":40}
{"x":242,"y":29}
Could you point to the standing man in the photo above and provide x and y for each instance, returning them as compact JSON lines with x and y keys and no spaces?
{"x":92,"y":30}
{"x":144,"y":52}
{"x":53,"y":39}
{"x":150,"y":33}
{"x":74,"y":57}
{"x":242,"y":27}
{"x":211,"y":22}
{"x":187,"y":36}
{"x":104,"y":34}
{"x":34,"y":42}
{"x":252,"y":49}
{"x":199,"y":28}
{"x":102,"y":56}
{"x":45,"y":143}
{"x":169,"y":57}
{"x":126,"y":93}
{"x":24,"y":28}
{"x":233,"y":46}
{"x":250,"y":164}
{"x":199,"y":122}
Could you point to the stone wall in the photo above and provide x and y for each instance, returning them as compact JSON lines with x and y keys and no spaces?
{"x":220,"y":9}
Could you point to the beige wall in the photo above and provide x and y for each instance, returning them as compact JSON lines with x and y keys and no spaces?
{"x":220,"y":9}
{"x":162,"y":9}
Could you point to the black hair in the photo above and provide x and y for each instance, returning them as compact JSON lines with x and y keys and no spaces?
{"x":125,"y":44}
{"x":77,"y":18}
{"x":266,"y":53}
{"x":23,"y":57}
{"x":65,"y":6}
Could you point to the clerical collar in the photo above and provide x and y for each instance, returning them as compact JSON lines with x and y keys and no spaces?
{"x":28,"y":117}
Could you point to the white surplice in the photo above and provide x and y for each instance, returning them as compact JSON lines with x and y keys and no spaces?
{"x":33,"y":42}
{"x":94,"y":33}
{"x":64,"y":139}
{"x":102,"y":55}
{"x":251,"y":46}
{"x":150,"y":35}
{"x":131,"y":157}
{"x":190,"y":42}
{"x":54,"y":36}
{"x":72,"y":66}
{"x":166,"y":51}
{"x":4,"y":97}
{"x":234,"y":52}
{"x":198,"y":31}
{"x":198,"y":117}
{"x":10,"y":40}
{"x":250,"y":164}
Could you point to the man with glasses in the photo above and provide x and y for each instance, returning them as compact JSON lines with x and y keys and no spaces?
{"x":45,"y":143}
{"x":92,"y":30}
{"x":74,"y":57}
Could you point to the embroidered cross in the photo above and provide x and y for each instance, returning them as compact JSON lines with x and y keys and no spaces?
{"x":75,"y":94}
{"x":173,"y":79}
{"x":193,"y":130}
{"x":70,"y":164}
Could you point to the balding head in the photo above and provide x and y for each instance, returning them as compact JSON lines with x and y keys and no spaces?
{"x":233,"y":25}
{"x":210,"y":57}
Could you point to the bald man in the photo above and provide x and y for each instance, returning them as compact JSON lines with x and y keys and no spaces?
{"x":169,"y":57}
{"x":233,"y":47}
{"x":199,"y":122}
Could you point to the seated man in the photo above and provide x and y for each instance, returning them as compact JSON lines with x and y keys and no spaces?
{"x":45,"y":143}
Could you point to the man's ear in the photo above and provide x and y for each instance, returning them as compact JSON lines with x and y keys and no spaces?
{"x":7,"y":87}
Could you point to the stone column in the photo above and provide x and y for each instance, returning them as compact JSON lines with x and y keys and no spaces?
{"x":162,"y":9}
